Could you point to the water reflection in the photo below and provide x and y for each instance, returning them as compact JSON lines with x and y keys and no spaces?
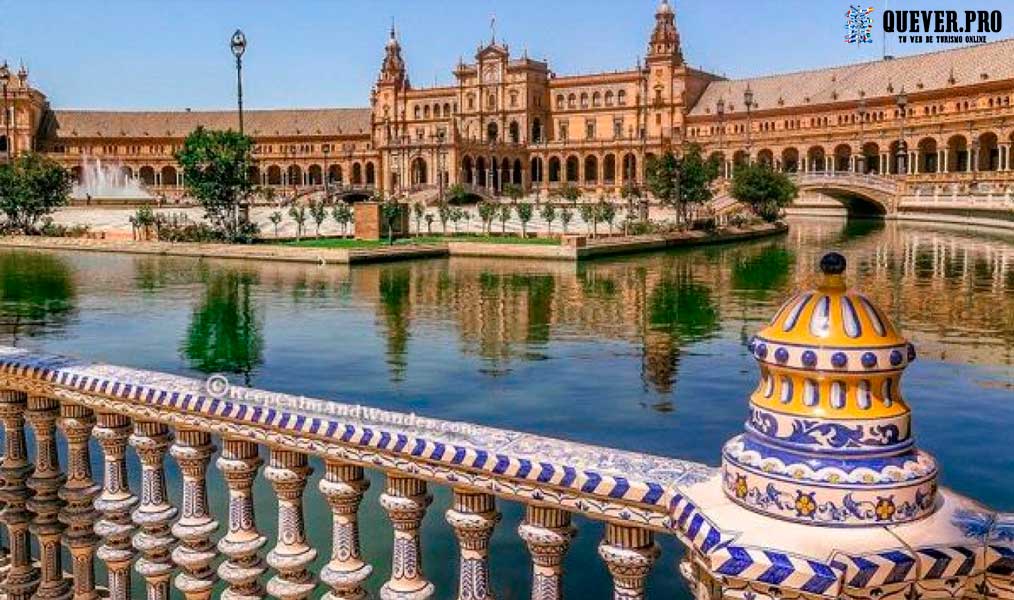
{"x":36,"y":294}
{"x":394,"y":285}
{"x":225,"y":332}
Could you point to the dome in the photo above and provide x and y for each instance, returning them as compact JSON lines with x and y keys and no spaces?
{"x":829,"y":436}
{"x":664,"y":8}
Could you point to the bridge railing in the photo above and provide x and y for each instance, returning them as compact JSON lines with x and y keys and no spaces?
{"x":867,"y":180}
{"x":99,"y":516}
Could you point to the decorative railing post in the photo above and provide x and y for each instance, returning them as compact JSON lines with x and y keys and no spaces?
{"x":22,"y":576}
{"x":288,"y":472}
{"x":473,"y":517}
{"x":343,"y":486}
{"x":46,"y":481}
{"x":239,"y":463}
{"x":115,"y":503}
{"x":79,"y":492}
{"x":405,"y":501}
{"x":547,"y":533}
{"x":154,"y":514}
{"x":195,"y":553}
{"x":629,"y":553}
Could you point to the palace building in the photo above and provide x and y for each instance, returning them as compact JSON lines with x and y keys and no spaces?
{"x":942,"y":121}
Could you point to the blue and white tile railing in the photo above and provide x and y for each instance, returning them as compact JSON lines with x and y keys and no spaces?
{"x":961,"y":550}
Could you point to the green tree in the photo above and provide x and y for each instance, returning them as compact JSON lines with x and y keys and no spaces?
{"x":505,"y":215}
{"x":390,"y":209}
{"x":298,"y":214}
{"x":682,"y":182}
{"x":342,"y":214}
{"x":444,"y":212}
{"x":215,"y":166}
{"x":458,"y":194}
{"x":457,"y":214}
{"x":566,"y":215}
{"x":514,"y":192}
{"x":607,"y":213}
{"x":318,"y":212}
{"x":275,"y":218}
{"x":32,"y":186}
{"x":634,"y":195}
{"x":765,"y":190}
{"x":524,"y":211}
{"x":429,"y":224}
{"x":588,"y":215}
{"x":487,"y":212}
{"x":418,"y":209}
{"x":567,"y":192}
{"x":548,"y":214}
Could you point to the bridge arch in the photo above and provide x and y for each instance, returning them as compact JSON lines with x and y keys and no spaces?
{"x":860,"y":195}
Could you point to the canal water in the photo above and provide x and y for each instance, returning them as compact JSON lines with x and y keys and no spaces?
{"x":645,"y":353}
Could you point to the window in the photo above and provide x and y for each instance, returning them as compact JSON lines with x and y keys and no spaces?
{"x":609,"y":98}
{"x":617,"y":128}
{"x":584,"y":100}
{"x":621,"y":97}
{"x":559,"y":101}
{"x":491,"y":101}
{"x":596,"y":99}
{"x":572,"y":101}
{"x":470,"y":102}
{"x":514,"y":99}
{"x":416,"y":112}
{"x":563,"y":130}
{"x":589,"y":130}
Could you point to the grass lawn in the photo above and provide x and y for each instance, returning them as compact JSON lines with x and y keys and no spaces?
{"x":486,"y":239}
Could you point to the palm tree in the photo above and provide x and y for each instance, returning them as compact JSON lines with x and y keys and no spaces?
{"x":275,"y":218}
{"x":298,"y":214}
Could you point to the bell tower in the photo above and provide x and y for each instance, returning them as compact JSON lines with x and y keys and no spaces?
{"x":388,"y":96}
{"x":665,"y":40}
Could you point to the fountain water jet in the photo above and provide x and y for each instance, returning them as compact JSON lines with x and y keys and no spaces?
{"x":101,"y":181}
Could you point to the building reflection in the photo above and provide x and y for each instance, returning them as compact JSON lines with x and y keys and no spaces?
{"x":951,"y":291}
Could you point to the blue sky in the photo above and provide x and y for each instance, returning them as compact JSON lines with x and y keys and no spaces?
{"x":171,"y":54}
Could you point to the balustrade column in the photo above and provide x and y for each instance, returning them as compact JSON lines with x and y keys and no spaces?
{"x":115,"y":503}
{"x":46,"y":482}
{"x":22,"y":577}
{"x":343,"y":486}
{"x":405,"y":501}
{"x":79,"y":515}
{"x":195,"y":553}
{"x":239,"y":463}
{"x":154,"y":514}
{"x":288,"y":472}
{"x":547,"y":533}
{"x":473,"y":517}
{"x":629,"y":553}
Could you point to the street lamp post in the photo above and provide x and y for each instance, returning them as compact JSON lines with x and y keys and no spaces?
{"x":5,"y":78}
{"x":720,"y":109}
{"x":901,"y":157}
{"x":440,"y":165}
{"x":238,"y":46}
{"x":748,"y":100}
{"x":327,"y":150}
{"x":861,"y":159}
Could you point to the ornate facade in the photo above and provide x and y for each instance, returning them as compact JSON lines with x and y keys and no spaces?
{"x":940,"y":119}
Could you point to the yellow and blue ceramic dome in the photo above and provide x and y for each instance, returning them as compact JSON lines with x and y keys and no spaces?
{"x":829,"y":438}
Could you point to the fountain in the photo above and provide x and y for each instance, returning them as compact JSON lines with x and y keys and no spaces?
{"x":107,"y":183}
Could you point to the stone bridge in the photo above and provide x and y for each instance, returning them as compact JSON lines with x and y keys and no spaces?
{"x":861,"y":194}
